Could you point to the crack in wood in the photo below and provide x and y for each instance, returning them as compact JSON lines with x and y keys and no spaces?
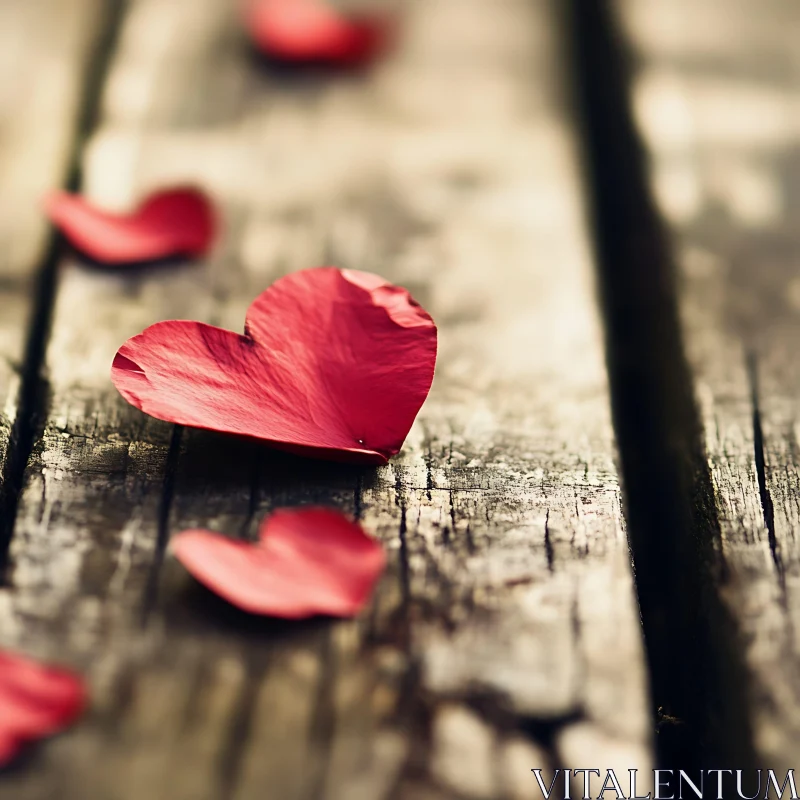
{"x":763,"y":490}
{"x":548,"y":544}
{"x":33,"y":394}
{"x":696,"y":661}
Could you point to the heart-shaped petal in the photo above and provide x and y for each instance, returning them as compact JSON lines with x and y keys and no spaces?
{"x":307,"y":562}
{"x":177,"y":222}
{"x":334,"y":364}
{"x":310,"y":31}
{"x":36,"y":701}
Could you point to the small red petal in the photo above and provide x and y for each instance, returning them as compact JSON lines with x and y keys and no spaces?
{"x":36,"y":701}
{"x":307,"y":562}
{"x":311,"y":31}
{"x":334,"y":364}
{"x":177,"y":222}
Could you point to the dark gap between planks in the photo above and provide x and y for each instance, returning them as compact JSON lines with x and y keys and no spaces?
{"x":697,"y":673}
{"x":33,"y":395}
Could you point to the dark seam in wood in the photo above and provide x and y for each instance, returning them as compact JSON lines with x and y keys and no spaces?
{"x":472,"y":548}
{"x":543,"y":732}
{"x":450,"y":533}
{"x":323,"y":722}
{"x":548,"y":544}
{"x":235,"y":746}
{"x":33,"y":394}
{"x":412,"y":715}
{"x":761,"y":472}
{"x":162,"y":535}
{"x":405,"y":568}
{"x":451,"y":489}
{"x":98,"y":68}
{"x":694,"y":649}
{"x":429,"y":473}
{"x":493,"y":709}
{"x":29,"y":420}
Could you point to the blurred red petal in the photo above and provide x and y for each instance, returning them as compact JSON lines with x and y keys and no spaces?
{"x":312,"y":31}
{"x":308,"y":562}
{"x":334,"y":364}
{"x":36,"y":701}
{"x":176,"y":222}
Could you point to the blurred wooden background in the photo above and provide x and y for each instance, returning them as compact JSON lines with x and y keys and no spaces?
{"x":510,"y":162}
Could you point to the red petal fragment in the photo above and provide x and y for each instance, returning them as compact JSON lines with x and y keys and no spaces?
{"x":307,"y":562}
{"x":36,"y":701}
{"x":311,"y":31}
{"x":334,"y":364}
{"x":177,"y":222}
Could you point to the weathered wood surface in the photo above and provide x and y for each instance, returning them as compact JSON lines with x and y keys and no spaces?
{"x":45,"y":48}
{"x":505,"y":634}
{"x":716,"y":100}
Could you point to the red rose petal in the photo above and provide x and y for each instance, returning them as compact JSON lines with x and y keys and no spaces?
{"x":177,"y":222}
{"x":312,"y":31}
{"x":307,"y":562}
{"x":36,"y":701}
{"x":334,"y":364}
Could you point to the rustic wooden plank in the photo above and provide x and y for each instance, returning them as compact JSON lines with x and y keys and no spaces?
{"x":715,"y":98}
{"x":45,"y":48}
{"x":506,"y":627}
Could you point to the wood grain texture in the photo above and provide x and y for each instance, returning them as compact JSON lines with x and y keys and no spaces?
{"x":45,"y":48}
{"x":716,"y":101}
{"x":505,"y":633}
